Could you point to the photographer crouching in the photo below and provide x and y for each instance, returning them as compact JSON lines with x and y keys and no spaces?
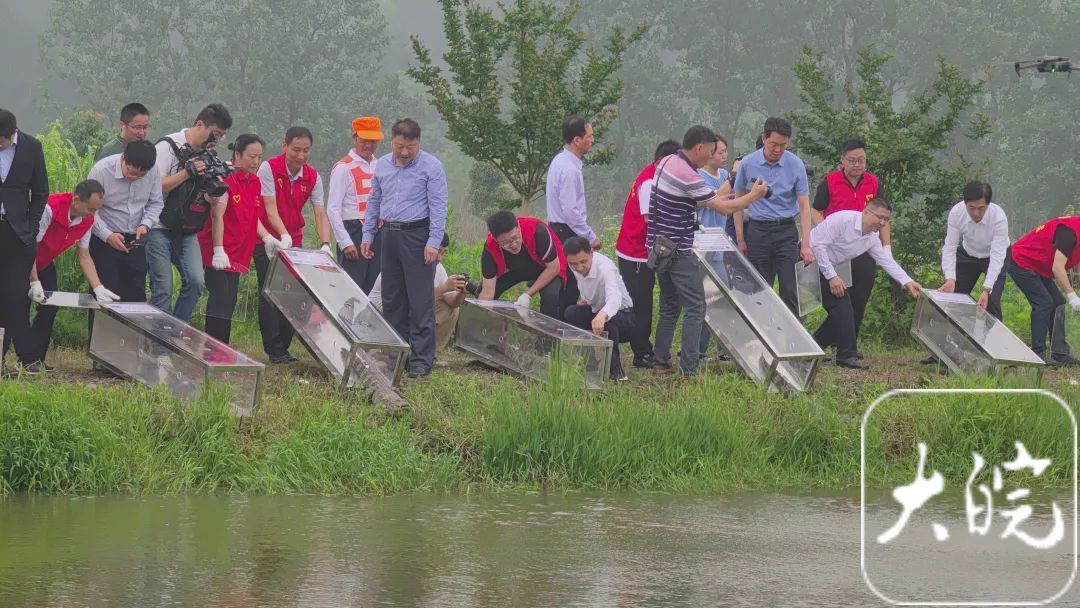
{"x":192,"y":179}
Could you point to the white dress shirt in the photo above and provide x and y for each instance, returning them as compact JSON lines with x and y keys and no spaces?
{"x":840,"y":238}
{"x":376,"y":290}
{"x":564,"y":193}
{"x":7,"y":156}
{"x":988,"y":238}
{"x":603,"y":287}
{"x":350,"y":186}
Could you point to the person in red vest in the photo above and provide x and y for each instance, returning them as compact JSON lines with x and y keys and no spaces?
{"x":1038,"y":260}
{"x":849,"y":188}
{"x":288,"y":183}
{"x":632,"y":254}
{"x":227,"y":253}
{"x":67,"y":220}
{"x":523,"y":250}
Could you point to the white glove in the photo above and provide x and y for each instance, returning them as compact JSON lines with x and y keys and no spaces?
{"x":523,"y":300}
{"x":326,"y":248}
{"x":1074,"y":301}
{"x":271,"y":245}
{"x":104,"y":295}
{"x":221,"y":259}
{"x":37,"y":292}
{"x":286,"y":241}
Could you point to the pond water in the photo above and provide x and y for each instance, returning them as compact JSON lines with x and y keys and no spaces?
{"x":533,"y":550}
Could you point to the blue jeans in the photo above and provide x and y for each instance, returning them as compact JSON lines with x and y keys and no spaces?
{"x":164,"y":249}
{"x":681,"y":291}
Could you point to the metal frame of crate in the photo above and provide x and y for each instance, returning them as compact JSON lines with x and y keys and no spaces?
{"x":214,"y":358}
{"x":993,"y":346}
{"x":302,"y":282}
{"x":476,"y":316}
{"x":767,"y":340}
{"x":808,"y":283}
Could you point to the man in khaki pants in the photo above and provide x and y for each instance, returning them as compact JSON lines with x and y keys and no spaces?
{"x":449,"y":294}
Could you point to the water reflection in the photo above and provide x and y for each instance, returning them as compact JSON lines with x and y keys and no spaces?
{"x":641,"y":550}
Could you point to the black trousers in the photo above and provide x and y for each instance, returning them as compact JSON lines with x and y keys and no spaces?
{"x":1045,"y":299}
{"x":121,"y":273}
{"x":16,"y":260}
{"x":223,"y":287}
{"x":551,"y":296}
{"x":863,"y":274}
{"x":570,"y":294}
{"x":838,"y":329}
{"x":640,"y":281}
{"x":362,"y":271}
{"x":277,"y":333}
{"x":773,"y":249}
{"x":968,"y":271}
{"x":408,"y":290}
{"x":44,"y":316}
{"x":619,"y":328}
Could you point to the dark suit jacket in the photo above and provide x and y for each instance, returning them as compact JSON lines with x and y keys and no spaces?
{"x":26,"y":188}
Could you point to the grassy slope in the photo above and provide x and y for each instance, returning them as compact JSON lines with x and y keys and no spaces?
{"x":471,"y":428}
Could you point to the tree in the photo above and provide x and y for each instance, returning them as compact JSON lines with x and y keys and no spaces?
{"x":905,"y":147}
{"x":514,"y":79}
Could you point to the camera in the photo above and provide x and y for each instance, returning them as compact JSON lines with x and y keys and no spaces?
{"x":768,"y":189}
{"x":212,"y":180}
{"x":472,"y":286}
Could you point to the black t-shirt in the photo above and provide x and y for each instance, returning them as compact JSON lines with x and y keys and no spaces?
{"x":1064,"y":239}
{"x":520,"y":264}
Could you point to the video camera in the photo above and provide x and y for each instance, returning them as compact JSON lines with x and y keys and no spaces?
{"x":212,"y":180}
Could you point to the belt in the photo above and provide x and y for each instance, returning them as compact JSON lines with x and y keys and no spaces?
{"x":779,"y":222}
{"x":424,"y":223}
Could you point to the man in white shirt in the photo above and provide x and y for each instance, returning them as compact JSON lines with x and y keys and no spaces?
{"x":350,"y":186}
{"x":449,"y":295}
{"x":976,"y":243}
{"x":564,"y":192}
{"x":606,"y":305}
{"x":843,"y":236}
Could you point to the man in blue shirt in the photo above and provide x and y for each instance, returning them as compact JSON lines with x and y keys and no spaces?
{"x":772,"y":234}
{"x":409,"y":199}
{"x":564,"y":193}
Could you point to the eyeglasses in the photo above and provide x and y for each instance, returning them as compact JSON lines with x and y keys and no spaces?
{"x":885,"y":219}
{"x":145,"y":127}
{"x":855,"y":161}
{"x":507,"y":243}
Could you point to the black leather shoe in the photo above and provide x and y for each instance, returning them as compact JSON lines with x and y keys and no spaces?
{"x":852,"y":363}
{"x":1065,"y":359}
{"x":418,"y":373}
{"x":643,"y":362}
{"x":282,"y":359}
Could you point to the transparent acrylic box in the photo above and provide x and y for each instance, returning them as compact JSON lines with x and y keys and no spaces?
{"x":525,"y":342}
{"x":333,"y":317}
{"x":768,"y":342}
{"x":809,"y":284}
{"x":140,"y":342}
{"x":968,"y":339}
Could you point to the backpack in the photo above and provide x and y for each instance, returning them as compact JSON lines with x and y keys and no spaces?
{"x":186,"y":209}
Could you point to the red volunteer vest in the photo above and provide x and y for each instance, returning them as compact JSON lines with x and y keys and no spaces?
{"x":242,"y":210}
{"x":528,"y":238}
{"x":291,"y":197}
{"x":845,"y":197}
{"x":632,"y":232}
{"x":1035,"y":250}
{"x":59,"y":235}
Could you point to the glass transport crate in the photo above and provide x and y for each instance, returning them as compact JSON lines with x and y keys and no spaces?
{"x":525,"y":342}
{"x":968,"y":339}
{"x":766,"y":339}
{"x":809,"y":284}
{"x":138,"y":341}
{"x":333,"y":317}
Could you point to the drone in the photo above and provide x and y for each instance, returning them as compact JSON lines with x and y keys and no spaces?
{"x":1047,"y":64}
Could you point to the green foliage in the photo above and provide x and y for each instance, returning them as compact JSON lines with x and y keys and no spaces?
{"x":514,"y":79}
{"x":87,"y":130}
{"x":906,"y":150}
{"x":486,"y":190}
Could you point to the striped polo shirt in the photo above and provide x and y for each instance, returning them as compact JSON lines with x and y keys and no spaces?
{"x":673,"y":210}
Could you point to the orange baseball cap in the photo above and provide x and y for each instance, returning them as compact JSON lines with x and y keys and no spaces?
{"x":368,"y":127}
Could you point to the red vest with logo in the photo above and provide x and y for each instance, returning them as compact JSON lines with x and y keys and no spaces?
{"x":290,"y":197}
{"x":242,"y":209}
{"x":528,"y":238}
{"x":632,"y":232}
{"x":1035,"y":250}
{"x":60,"y":235}
{"x":845,"y":197}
